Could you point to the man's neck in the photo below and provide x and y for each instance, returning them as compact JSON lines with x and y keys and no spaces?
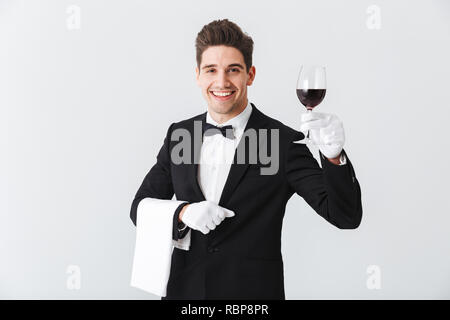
{"x":222,"y":118}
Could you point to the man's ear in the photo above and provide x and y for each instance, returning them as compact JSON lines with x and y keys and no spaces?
{"x":251,"y":75}
{"x":197,"y":74}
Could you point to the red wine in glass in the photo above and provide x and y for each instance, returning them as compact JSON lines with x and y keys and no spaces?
{"x":311,"y":97}
{"x":311,"y":86}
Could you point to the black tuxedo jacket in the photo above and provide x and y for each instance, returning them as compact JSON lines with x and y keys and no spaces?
{"x":241,"y":258}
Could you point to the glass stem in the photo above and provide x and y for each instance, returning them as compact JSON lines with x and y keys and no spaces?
{"x":307,"y":134}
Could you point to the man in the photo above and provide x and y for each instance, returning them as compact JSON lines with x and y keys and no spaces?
{"x":230,"y":212}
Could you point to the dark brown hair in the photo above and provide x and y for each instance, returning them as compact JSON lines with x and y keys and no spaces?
{"x":227,"y":33}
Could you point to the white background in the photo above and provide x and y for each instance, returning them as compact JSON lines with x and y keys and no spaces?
{"x":83,"y":113}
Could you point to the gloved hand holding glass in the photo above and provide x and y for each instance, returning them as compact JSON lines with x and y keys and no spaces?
{"x":325,"y":130}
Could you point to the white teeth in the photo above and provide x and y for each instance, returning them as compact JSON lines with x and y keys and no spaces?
{"x":222,"y":94}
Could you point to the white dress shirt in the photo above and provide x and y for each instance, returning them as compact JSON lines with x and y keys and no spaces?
{"x":217,"y":153}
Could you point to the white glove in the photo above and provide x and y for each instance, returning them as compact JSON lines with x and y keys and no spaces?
{"x":205,"y":216}
{"x":326,"y":131}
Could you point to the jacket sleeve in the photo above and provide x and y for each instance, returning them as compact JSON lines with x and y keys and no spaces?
{"x":332,"y":191}
{"x":158,"y":184}
{"x":179,"y":229}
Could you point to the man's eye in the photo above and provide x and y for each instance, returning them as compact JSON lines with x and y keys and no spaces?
{"x":234,"y":69}
{"x":210,"y":70}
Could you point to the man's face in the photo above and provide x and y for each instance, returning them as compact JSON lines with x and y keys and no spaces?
{"x":223,"y":79}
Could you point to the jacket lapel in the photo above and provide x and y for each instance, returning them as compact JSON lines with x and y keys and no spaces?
{"x":195,"y":156}
{"x":255,"y":122}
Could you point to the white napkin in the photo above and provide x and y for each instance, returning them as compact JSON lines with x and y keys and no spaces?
{"x":154,"y":245}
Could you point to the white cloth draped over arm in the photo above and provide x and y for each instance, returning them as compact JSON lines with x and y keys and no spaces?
{"x":154,"y":244}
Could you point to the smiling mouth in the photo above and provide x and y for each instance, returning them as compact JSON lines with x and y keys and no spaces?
{"x":222,"y":95}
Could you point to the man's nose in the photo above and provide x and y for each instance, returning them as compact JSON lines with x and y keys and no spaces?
{"x":222,"y":80}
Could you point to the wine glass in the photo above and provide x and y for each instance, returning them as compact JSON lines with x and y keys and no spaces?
{"x":311,"y":87}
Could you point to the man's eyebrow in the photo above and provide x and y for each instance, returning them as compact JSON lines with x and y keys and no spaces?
{"x":236,"y":65}
{"x":230,"y":65}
